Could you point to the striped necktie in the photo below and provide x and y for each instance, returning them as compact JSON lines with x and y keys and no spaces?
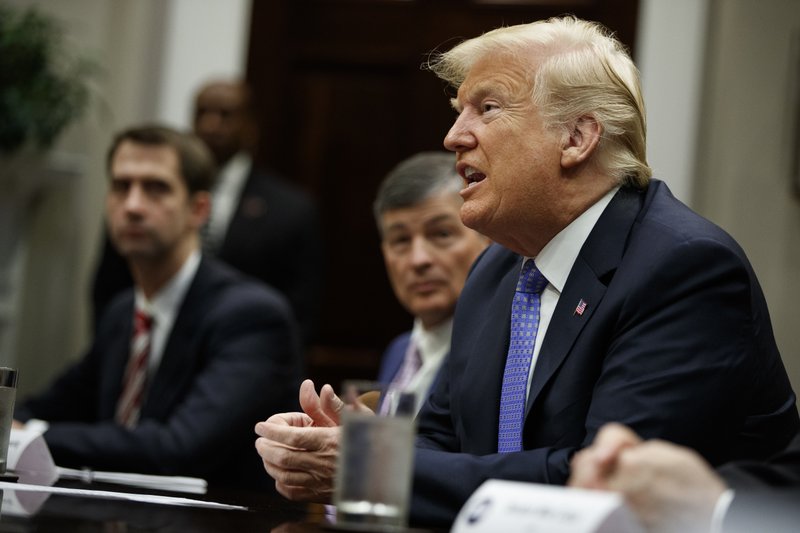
{"x":134,"y":381}
{"x":412,"y":362}
{"x":524,"y":325}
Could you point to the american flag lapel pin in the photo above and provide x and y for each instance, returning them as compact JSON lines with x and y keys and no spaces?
{"x":580,"y":308}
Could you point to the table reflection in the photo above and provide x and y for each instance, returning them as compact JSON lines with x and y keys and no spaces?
{"x":24,"y":511}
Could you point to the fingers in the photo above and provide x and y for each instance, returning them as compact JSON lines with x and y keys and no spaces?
{"x":331,"y":404}
{"x":587,"y":472}
{"x":593,"y":467}
{"x":611,"y":440}
{"x":287,"y":419}
{"x":314,"y":406}
{"x":301,"y":460}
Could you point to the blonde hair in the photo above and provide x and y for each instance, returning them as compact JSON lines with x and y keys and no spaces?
{"x":582,"y":70}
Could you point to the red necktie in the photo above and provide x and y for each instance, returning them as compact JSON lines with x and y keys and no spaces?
{"x":133,"y":383}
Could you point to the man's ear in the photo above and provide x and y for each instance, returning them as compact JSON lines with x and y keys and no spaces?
{"x":200,"y":207}
{"x":580,"y":141}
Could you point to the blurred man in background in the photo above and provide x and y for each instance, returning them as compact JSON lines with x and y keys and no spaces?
{"x":259,"y":223}
{"x":428,"y":253}
{"x":184,"y":362}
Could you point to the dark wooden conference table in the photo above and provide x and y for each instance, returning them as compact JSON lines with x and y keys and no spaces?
{"x":266,"y":513}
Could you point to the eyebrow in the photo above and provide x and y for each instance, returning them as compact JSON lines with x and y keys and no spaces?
{"x":479,"y":91}
{"x":438,"y":219}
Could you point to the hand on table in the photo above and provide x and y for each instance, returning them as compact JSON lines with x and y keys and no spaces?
{"x":299,"y":450}
{"x":670,"y":488}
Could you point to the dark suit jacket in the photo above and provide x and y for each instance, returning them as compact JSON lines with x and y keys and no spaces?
{"x":273,"y":236}
{"x":231,"y":360}
{"x":393,"y":357}
{"x":767,"y":494}
{"x":675,"y":342}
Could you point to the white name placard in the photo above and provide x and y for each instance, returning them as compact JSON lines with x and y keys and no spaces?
{"x":29,"y":457}
{"x":516,"y":507}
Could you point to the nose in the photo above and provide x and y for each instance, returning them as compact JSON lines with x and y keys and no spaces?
{"x":460,"y":137}
{"x":207,"y":121}
{"x":134,"y":199}
{"x":420,"y":253}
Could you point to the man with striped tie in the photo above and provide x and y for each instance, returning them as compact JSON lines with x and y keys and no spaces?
{"x":183,"y":363}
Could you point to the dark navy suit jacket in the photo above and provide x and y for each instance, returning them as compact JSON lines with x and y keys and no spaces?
{"x":675,"y":342}
{"x":274,"y":236}
{"x":231,"y":360}
{"x":393,"y":357}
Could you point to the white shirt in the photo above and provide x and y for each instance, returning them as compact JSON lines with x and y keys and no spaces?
{"x":433,"y":345}
{"x":164,"y":306}
{"x":555,"y":262}
{"x":225,"y":198}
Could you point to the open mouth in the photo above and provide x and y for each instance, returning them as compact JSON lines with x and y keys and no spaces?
{"x":472,"y":176}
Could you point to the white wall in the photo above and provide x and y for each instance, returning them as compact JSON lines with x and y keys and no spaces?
{"x":200,"y":43}
{"x":670,"y":54}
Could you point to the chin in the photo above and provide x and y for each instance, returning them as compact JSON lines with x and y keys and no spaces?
{"x":474,"y":217}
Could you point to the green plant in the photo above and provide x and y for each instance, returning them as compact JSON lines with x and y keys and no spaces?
{"x":41,"y":89}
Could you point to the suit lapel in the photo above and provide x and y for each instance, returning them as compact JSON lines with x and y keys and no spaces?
{"x":397,"y":358}
{"x":116,"y":352}
{"x":587,"y":282}
{"x":180,"y":357}
{"x":489,"y":334}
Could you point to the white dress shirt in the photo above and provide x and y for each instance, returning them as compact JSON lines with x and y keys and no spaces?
{"x":164,"y":306}
{"x":433,"y":345}
{"x":555,"y":263}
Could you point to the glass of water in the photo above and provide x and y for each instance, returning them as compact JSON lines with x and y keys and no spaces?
{"x":376,"y":453}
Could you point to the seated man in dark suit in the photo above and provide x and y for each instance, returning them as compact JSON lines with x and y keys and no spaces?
{"x":428,"y":253}
{"x":259,"y":223}
{"x":604,"y":299}
{"x":183,"y":363}
{"x":672,"y":489}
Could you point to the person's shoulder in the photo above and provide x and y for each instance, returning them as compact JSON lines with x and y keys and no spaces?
{"x":663,"y":209}
{"x":400,"y":341}
{"x":120,"y":306}
{"x":229,"y":287}
{"x":278,"y":188}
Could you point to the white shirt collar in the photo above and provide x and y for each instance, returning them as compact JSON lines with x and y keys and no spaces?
{"x":164,"y":305}
{"x":233,"y":175}
{"x":555,"y":260}
{"x":432,"y":343}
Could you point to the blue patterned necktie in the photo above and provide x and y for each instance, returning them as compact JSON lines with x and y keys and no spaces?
{"x":524,"y":325}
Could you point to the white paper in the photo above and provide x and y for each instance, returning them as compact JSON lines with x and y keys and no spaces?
{"x":516,"y":507}
{"x":109,"y":495}
{"x":191,"y":485}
